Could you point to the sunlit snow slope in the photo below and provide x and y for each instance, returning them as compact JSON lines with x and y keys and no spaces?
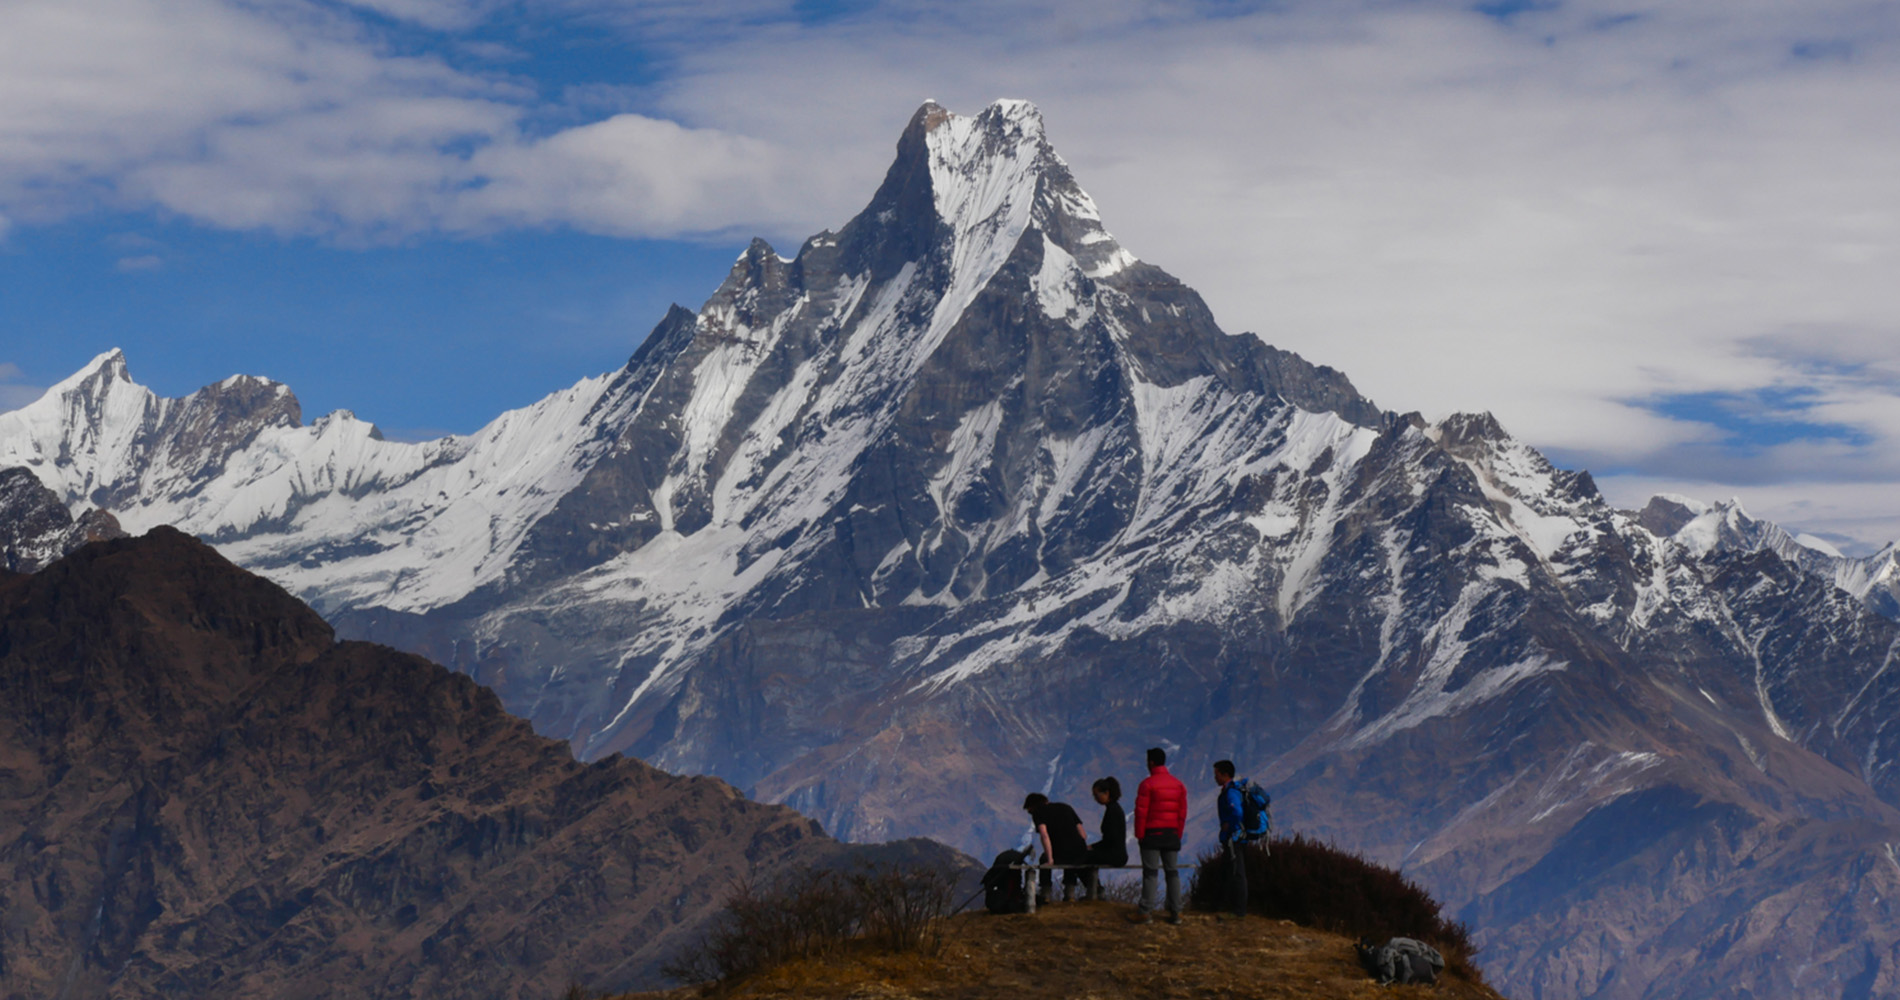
{"x":331,"y":511}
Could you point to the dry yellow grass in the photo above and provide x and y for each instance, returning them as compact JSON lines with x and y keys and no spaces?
{"x":1089,"y":951}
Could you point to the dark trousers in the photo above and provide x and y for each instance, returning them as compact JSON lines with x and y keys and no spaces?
{"x":1102,"y":854}
{"x":1075,"y":881}
{"x":1236,"y":879}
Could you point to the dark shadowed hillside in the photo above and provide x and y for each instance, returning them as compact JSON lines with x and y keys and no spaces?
{"x":203,"y":794}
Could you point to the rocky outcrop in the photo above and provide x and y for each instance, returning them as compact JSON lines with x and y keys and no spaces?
{"x":36,"y":528}
{"x":203,"y":794}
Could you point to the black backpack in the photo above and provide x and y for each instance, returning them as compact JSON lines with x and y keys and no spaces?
{"x":1003,"y":885}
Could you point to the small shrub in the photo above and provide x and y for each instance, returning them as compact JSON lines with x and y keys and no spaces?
{"x":813,"y":912}
{"x":1121,"y":887}
{"x":805,"y":915}
{"x":902,"y":908}
{"x":1321,"y":886}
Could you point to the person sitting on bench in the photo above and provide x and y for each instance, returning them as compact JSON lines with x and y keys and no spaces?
{"x":1112,"y":850}
{"x":1064,"y":842}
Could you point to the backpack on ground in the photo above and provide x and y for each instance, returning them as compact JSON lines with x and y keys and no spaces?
{"x":1256,"y":810}
{"x":1003,"y":885}
{"x":1400,"y":960}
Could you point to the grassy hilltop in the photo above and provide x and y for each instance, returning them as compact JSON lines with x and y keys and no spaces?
{"x":1309,"y":901}
{"x":1088,"y":951}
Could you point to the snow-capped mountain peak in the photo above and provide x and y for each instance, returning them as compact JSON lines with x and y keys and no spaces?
{"x":1704,"y":529}
{"x":995,"y":173}
{"x":94,"y":375}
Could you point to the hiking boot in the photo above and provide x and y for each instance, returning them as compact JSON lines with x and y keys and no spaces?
{"x":1140,"y":917}
{"x":1173,"y":917}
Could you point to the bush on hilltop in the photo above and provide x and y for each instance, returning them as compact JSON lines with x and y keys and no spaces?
{"x":1318,"y":885}
{"x":813,"y":912}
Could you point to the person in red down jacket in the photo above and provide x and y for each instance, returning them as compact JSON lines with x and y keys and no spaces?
{"x":1161,"y":806}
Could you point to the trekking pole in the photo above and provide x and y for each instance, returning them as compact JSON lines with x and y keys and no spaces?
{"x":980,"y":891}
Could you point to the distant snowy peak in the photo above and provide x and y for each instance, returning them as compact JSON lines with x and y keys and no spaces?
{"x":331,"y":510}
{"x":1710,"y":528}
{"x":100,"y":439}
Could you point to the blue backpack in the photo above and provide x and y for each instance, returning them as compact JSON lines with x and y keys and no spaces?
{"x":1256,"y":810}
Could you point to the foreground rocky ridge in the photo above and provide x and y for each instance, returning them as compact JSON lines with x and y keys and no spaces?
{"x":964,"y":500}
{"x":203,"y":794}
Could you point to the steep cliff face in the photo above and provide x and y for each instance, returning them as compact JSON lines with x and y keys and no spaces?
{"x":965,"y":500}
{"x":36,"y":528}
{"x":203,"y":794}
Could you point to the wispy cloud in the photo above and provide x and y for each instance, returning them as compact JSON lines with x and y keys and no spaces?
{"x":14,"y":391}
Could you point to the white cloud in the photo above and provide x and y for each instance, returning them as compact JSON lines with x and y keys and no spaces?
{"x":628,"y":174}
{"x":287,"y":116}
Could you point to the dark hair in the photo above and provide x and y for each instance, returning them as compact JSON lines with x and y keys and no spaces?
{"x":1035,"y":800}
{"x":1225,"y":767}
{"x":1157,"y":756}
{"x":1109,"y":787}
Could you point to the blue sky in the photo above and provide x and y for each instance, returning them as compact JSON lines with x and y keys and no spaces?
{"x":1656,"y":239}
{"x":425,"y":337}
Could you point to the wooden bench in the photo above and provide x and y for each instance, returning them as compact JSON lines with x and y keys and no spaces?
{"x":1031,"y":876}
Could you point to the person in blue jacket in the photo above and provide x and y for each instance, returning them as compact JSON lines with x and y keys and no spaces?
{"x":1233,"y":838}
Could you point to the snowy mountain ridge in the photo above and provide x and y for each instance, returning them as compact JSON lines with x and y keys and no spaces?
{"x":1703,"y":528}
{"x":330,"y":510}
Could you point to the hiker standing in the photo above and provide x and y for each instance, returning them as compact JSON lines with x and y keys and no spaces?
{"x":1233,"y":837}
{"x":1112,"y":850}
{"x":1064,"y":842}
{"x":1160,"y":816}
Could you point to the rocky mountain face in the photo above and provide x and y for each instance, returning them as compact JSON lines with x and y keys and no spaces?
{"x":203,"y":794}
{"x":36,"y":528}
{"x":964,"y":500}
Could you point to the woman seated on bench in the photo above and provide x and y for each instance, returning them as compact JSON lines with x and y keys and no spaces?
{"x":1112,"y":850}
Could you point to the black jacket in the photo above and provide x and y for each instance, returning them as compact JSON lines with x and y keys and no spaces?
{"x":1112,"y":849}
